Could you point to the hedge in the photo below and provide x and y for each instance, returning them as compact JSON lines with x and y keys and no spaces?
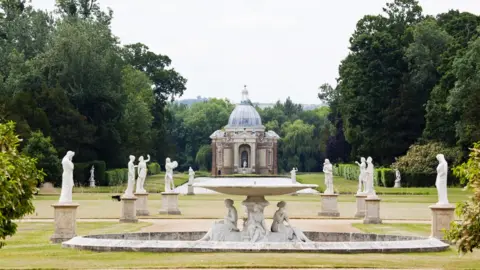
{"x":81,"y":173}
{"x":153,"y":168}
{"x":116,"y":177}
{"x":386,"y":177}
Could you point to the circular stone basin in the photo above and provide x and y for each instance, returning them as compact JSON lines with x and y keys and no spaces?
{"x":322,"y":242}
{"x":253,"y":186}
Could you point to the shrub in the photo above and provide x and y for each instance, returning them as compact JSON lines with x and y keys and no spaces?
{"x":422,"y":158}
{"x":19,"y":176}
{"x":116,"y":177}
{"x":41,"y":148}
{"x":81,"y":173}
{"x":154,"y":168}
{"x":347,"y":171}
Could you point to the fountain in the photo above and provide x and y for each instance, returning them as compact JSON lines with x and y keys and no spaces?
{"x":255,"y":236}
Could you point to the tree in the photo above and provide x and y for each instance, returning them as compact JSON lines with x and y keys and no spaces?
{"x":204,"y":157}
{"x":296,"y":146}
{"x":41,"y":148}
{"x":18,"y":179}
{"x":466,"y":234}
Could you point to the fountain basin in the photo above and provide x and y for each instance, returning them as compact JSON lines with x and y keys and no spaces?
{"x":322,"y":242}
{"x":253,"y":186}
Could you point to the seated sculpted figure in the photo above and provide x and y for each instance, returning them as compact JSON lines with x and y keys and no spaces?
{"x":256,"y":227}
{"x":221,"y":228}
{"x":278,"y":225}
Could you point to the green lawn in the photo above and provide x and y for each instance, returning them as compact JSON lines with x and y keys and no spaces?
{"x":30,"y":248}
{"x":395,"y":228}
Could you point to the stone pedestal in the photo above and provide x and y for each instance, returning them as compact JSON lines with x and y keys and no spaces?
{"x":170,"y":204}
{"x":442,"y":216}
{"x":65,"y":222}
{"x":190,"y":190}
{"x":372,"y":210}
{"x":141,"y":205}
{"x":329,"y":205}
{"x":129,"y":214}
{"x":360,"y":198}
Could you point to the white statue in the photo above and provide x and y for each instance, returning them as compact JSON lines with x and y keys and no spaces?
{"x":67,"y":178}
{"x":397,"y":179}
{"x":441,"y":182}
{"x":191,"y":176}
{"x":256,"y":227}
{"x":278,"y":225}
{"x":131,"y":177}
{"x":92,"y":177}
{"x":169,"y":166}
{"x":369,"y":176}
{"x":222,"y":228}
{"x":293,"y":175}
{"x":142,"y":174}
{"x":328,"y":170}
{"x":244,"y":164}
{"x":361,"y":177}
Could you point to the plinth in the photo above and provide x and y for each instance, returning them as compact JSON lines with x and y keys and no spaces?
{"x":442,"y":216}
{"x":329,"y":205}
{"x":190,"y":190}
{"x":372,"y":210}
{"x":141,"y":205}
{"x":360,"y":198}
{"x":65,"y":218}
{"x":169,"y":204}
{"x":129,"y":214}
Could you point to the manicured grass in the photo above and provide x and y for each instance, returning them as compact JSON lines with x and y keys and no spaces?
{"x":30,"y":248}
{"x":395,"y":228}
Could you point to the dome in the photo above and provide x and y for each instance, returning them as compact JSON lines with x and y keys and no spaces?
{"x":244,"y":114}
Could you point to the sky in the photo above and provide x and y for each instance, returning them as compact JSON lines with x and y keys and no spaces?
{"x":278,"y":48}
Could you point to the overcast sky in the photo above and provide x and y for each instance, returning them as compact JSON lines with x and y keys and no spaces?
{"x":278,"y":48}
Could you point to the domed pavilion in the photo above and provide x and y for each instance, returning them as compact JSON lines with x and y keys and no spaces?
{"x":243,"y":146}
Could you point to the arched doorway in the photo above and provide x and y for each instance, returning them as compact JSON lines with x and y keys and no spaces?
{"x":244,"y":152}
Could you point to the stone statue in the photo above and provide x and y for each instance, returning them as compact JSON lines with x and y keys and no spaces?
{"x":131,"y":177}
{"x":244,"y":164}
{"x":278,"y":225}
{"x":293,"y":175}
{"x":256,"y":227}
{"x":397,"y":179}
{"x":441,"y":182}
{"x":369,"y":176}
{"x":221,"y":228}
{"x":92,"y":177}
{"x":67,"y":178}
{"x":169,"y":166}
{"x":191,"y":176}
{"x":328,"y":170}
{"x":142,"y":174}
{"x":361,"y":177}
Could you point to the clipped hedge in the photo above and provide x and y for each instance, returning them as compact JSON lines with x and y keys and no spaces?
{"x":347,"y":171}
{"x":116,"y":177}
{"x":81,"y":173}
{"x":425,"y":179}
{"x":382,"y":177}
{"x":153,"y":168}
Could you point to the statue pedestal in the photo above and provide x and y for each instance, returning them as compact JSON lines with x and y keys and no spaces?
{"x":360,"y":198}
{"x":442,"y":216}
{"x":190,"y":190}
{"x":129,"y":213}
{"x":169,"y":204}
{"x":372,"y":210}
{"x":329,"y":205}
{"x":397,"y":185}
{"x":65,"y":222}
{"x":141,"y":205}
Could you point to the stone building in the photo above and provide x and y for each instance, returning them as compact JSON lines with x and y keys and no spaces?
{"x":243,"y":145}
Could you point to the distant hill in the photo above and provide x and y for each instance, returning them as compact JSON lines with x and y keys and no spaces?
{"x":190,"y":101}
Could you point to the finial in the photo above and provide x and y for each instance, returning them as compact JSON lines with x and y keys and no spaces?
{"x":244,"y":95}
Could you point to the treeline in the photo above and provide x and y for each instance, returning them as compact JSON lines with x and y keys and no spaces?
{"x":306,"y":135}
{"x":69,"y":84}
{"x":409,"y":88}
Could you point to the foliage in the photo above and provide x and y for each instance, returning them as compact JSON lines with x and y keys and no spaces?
{"x":41,"y":148}
{"x":422,"y":158}
{"x":18,"y":178}
{"x":81,"y":174}
{"x":466,"y":234}
{"x":154,"y":168}
{"x":203,"y":158}
{"x":116,"y":177}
